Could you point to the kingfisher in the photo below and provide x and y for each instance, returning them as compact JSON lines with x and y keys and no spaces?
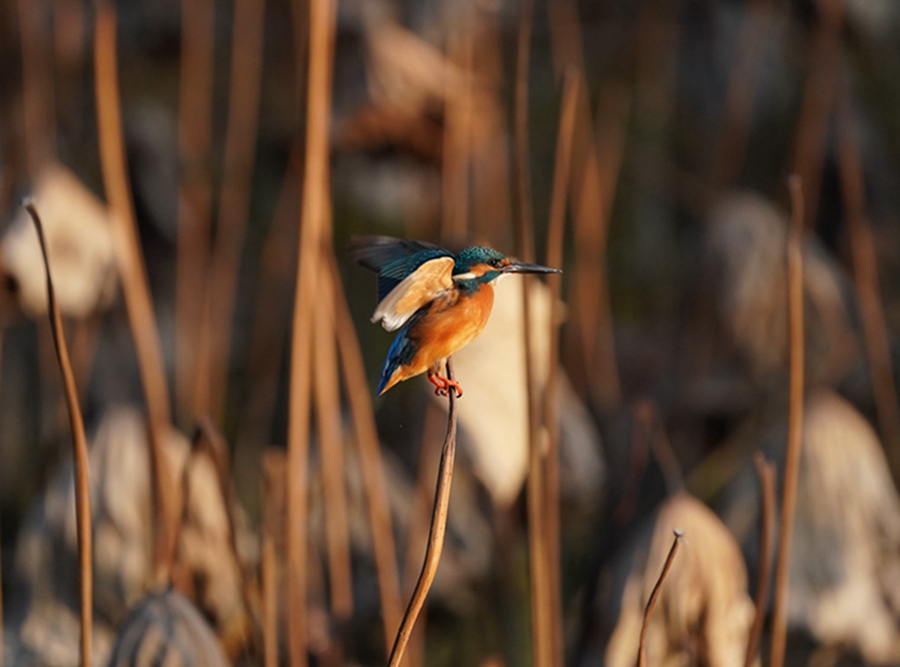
{"x":439,"y":301}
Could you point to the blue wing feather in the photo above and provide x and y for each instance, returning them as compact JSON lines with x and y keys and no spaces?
{"x":401,"y":352}
{"x":393,"y":259}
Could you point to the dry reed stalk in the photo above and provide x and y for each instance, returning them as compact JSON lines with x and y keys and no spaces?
{"x":270,"y":321}
{"x":522,"y":151}
{"x":85,"y":337}
{"x":593,"y":314}
{"x":818,"y":102}
{"x":371,"y":463}
{"x":195,"y":196}
{"x":79,"y":455}
{"x":541,"y":612}
{"x":417,"y":542}
{"x":596,"y":162}
{"x":315,"y":223}
{"x":435,"y":533}
{"x":645,"y":410}
{"x":765,"y":471}
{"x":211,"y":378}
{"x":458,"y":136}
{"x":134,"y":282}
{"x":274,"y":492}
{"x":740,"y":94}
{"x":572,"y":87}
{"x":209,"y":440}
{"x":37,"y":87}
{"x":1,"y":541}
{"x":865,"y":273}
{"x":642,"y":655}
{"x":795,"y":424}
{"x":331,"y":451}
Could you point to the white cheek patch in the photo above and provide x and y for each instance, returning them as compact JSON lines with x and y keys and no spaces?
{"x":465,"y":276}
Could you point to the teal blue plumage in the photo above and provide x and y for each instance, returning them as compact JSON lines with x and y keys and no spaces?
{"x":418,"y":300}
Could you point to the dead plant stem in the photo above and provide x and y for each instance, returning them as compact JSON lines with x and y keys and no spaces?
{"x":435,"y":534}
{"x":654,"y":594}
{"x":331,"y":451}
{"x":795,"y":425}
{"x":132,"y":274}
{"x":865,"y":273}
{"x":315,"y":223}
{"x":79,"y":454}
{"x":765,"y":470}
{"x":370,"y":461}
{"x":233,"y":208}
{"x":195,"y":115}
{"x":555,"y":235}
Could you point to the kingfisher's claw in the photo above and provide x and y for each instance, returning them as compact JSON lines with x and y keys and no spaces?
{"x":444,"y":385}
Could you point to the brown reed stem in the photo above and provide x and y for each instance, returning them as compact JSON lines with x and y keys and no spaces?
{"x":371,"y":461}
{"x":331,"y":451}
{"x":818,"y":103}
{"x":234,"y":208}
{"x":79,"y":454}
{"x":195,"y":112}
{"x":270,"y":322}
{"x":435,"y":533}
{"x":37,"y":87}
{"x":540,"y":596}
{"x":132,"y":274}
{"x":654,"y":594}
{"x":765,"y":471}
{"x":2,"y":331}
{"x":420,"y":518}
{"x":274,"y":492}
{"x":555,"y":235}
{"x":743,"y":80}
{"x":315,"y":223}
{"x":795,"y":425}
{"x":455,"y":196}
{"x":865,"y":273}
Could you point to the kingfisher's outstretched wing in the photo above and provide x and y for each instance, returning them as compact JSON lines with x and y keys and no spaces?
{"x":410,"y":274}
{"x":428,"y":281}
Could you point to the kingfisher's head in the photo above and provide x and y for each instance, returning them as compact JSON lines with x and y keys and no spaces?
{"x":479,"y":265}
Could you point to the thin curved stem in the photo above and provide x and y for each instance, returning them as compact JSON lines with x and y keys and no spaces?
{"x":435,"y":534}
{"x":80,"y":455}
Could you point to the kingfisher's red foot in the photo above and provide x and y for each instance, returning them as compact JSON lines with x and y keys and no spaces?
{"x":444,"y":385}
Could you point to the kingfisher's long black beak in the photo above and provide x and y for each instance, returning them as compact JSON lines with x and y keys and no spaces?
{"x":523,"y":267}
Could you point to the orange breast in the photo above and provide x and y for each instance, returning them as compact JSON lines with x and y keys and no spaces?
{"x":453,"y":322}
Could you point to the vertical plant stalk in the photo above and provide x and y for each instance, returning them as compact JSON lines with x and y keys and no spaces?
{"x":271,"y":322}
{"x":435,"y":533}
{"x":79,"y":454}
{"x":592,"y":211}
{"x":37,"y":87}
{"x":371,"y":461}
{"x":818,"y":103}
{"x":274,"y":483}
{"x":654,"y":594}
{"x":214,"y":351}
{"x":865,"y":273}
{"x":795,"y":425}
{"x":555,"y":235}
{"x":743,"y":81}
{"x":765,"y":471}
{"x":134,"y":283}
{"x":195,"y":106}
{"x":331,"y":451}
{"x":420,"y":518}
{"x":458,"y":135}
{"x":314,"y":228}
{"x":541,"y":619}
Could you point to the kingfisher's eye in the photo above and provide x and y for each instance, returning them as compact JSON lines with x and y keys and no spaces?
{"x":497,"y":263}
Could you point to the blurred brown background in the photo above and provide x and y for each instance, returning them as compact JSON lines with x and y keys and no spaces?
{"x":687,"y":118}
